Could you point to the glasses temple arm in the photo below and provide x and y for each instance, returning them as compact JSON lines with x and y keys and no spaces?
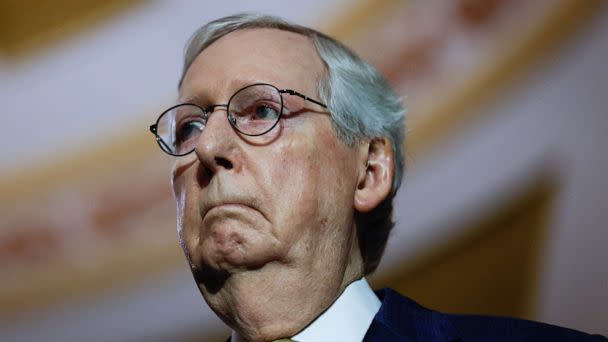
{"x":306,"y":98}
{"x":154,"y":129}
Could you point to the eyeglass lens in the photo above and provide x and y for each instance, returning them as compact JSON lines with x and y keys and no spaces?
{"x":253,"y":110}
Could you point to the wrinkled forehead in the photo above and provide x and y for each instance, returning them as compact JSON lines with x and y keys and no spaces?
{"x":283,"y":58}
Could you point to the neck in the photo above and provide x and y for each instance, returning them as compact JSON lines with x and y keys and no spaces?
{"x":278,"y":300}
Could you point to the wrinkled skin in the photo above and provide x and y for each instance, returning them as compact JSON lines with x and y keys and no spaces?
{"x":266,"y":222}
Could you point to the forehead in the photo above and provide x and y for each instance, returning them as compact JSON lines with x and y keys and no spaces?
{"x":282,"y":58}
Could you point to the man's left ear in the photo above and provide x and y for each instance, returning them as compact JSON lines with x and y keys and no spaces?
{"x":375,"y":176}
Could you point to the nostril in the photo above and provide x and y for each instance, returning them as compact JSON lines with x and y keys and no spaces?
{"x":203,"y":176}
{"x":223,"y":162}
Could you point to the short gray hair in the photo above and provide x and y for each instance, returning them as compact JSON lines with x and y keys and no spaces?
{"x":361,"y":102}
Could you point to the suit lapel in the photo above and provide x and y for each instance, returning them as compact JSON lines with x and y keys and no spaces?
{"x":402,"y":319}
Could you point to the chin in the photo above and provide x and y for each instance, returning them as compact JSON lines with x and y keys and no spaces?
{"x":215,"y":264}
{"x":230,"y":243}
{"x":234,"y":253}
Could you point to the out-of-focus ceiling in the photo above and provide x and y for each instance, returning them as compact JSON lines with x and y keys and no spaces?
{"x":28,"y":25}
{"x":86,"y":181}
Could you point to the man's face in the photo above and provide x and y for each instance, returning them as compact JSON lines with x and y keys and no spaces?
{"x":281,"y":199}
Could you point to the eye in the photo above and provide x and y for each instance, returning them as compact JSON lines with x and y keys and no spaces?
{"x":264,"y":112}
{"x":257,"y":111}
{"x":187,"y":130}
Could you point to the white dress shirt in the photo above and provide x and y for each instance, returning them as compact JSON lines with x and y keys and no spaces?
{"x":347,"y":319}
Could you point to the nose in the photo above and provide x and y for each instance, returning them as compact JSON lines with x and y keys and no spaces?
{"x":217,"y":147}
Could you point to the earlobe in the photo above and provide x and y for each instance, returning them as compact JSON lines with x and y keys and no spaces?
{"x":375,"y":182}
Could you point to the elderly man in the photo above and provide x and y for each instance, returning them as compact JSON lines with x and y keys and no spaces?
{"x":288,"y":155}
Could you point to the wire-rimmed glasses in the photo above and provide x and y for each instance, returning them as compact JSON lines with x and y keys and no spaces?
{"x":253,"y":110}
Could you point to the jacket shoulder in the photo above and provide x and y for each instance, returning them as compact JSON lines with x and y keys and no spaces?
{"x":402,"y":317}
{"x":491,"y":328}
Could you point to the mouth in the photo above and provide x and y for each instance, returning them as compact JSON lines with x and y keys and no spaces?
{"x":231,"y":205}
{"x":228,"y":207}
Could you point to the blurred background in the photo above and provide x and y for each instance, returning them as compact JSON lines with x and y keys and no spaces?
{"x":504,"y":207}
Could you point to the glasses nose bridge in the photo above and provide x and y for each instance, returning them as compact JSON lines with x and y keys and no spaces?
{"x":207,"y":111}
{"x":211,"y":109}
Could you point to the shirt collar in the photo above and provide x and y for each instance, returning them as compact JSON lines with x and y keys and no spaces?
{"x":347,"y":319}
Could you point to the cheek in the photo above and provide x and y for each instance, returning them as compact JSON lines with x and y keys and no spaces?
{"x":295,"y":177}
{"x":179,"y":194}
{"x":315,"y":161}
{"x":297,"y":167}
{"x":187,"y":208}
{"x":309,"y":176}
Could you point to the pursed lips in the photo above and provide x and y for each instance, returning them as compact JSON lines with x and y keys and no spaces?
{"x":227,"y":205}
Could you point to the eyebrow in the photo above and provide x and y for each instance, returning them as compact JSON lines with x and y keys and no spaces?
{"x":196,"y":99}
{"x":235,"y":84}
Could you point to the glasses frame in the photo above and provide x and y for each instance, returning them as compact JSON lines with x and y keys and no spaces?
{"x":207,"y":111}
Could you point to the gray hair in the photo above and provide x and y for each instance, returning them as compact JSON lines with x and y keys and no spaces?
{"x":361,"y":102}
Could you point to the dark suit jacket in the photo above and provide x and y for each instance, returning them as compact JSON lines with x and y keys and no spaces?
{"x":402,"y":319}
